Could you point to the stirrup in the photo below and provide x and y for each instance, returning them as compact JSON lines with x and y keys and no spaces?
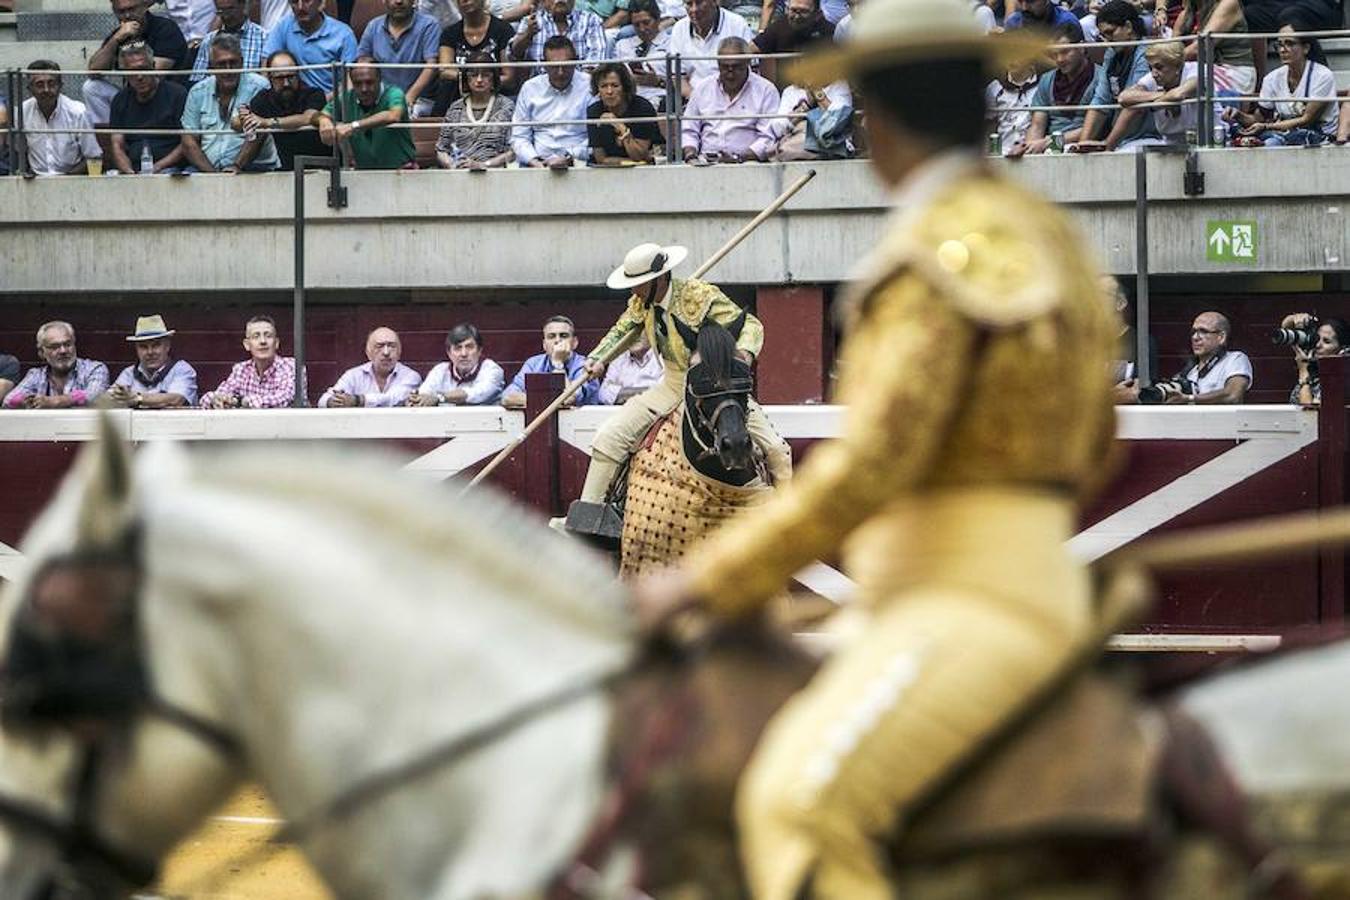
{"x":599,"y":522}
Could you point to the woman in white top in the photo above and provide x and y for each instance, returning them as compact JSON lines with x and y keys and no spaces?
{"x":1287,"y":113}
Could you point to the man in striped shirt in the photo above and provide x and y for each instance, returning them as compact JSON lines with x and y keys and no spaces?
{"x":65,"y":380}
{"x":554,"y":17}
{"x":234,"y":20}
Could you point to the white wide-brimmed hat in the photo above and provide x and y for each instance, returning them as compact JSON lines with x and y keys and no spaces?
{"x":150,"y":328}
{"x":891,"y":32}
{"x":644,"y":263}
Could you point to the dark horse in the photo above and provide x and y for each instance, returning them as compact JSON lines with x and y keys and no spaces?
{"x":696,"y":467}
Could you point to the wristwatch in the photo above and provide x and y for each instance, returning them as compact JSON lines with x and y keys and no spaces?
{"x":274,"y":123}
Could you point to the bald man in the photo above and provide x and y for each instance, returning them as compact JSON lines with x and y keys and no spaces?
{"x":382,"y":381}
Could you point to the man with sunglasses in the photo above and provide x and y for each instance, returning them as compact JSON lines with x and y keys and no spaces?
{"x":215,"y":106}
{"x":289,"y":109}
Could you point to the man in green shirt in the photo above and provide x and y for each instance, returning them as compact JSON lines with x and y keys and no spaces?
{"x":368,"y":110}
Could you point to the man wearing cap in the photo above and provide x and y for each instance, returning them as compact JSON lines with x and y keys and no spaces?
{"x":157,"y":381}
{"x":953,"y":486}
{"x":656,"y":302}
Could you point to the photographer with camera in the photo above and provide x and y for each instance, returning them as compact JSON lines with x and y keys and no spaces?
{"x":1216,"y":373}
{"x":1311,"y":340}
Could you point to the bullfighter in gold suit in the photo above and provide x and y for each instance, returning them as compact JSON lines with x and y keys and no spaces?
{"x":978,"y":413}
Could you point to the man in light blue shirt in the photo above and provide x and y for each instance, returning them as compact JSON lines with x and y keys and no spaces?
{"x":560,"y":355}
{"x":157,"y":381}
{"x":313,"y":39}
{"x":213,"y":104}
{"x":561,"y":94}
{"x":403,"y":35}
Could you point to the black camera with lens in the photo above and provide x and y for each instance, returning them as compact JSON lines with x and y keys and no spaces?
{"x":1160,"y":392}
{"x":1305,"y":337}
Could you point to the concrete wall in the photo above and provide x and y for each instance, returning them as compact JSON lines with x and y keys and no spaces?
{"x":517,"y":228}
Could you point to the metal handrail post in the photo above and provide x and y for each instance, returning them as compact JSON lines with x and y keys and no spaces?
{"x":678,"y":97}
{"x":338,"y":82}
{"x":1142,"y":367}
{"x":18,"y":140}
{"x":672,"y":136}
{"x":1205,"y":127}
{"x":11,"y":144}
{"x":298,"y":309}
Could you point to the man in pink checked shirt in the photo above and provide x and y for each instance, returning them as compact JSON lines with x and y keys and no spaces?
{"x":264,"y":380}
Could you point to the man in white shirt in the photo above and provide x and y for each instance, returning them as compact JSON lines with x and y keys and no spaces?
{"x":631,"y":373}
{"x":466,"y":378}
{"x":381,"y":381}
{"x":561,"y":94}
{"x":647,"y":49}
{"x":1218,"y":374}
{"x":48,"y":110}
{"x":700,"y":34}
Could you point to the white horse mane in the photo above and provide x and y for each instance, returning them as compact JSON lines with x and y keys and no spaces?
{"x":341,"y":619}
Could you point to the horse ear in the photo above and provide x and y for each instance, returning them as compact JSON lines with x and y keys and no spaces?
{"x":736,"y":326}
{"x":105,"y":517}
{"x":687,"y":334}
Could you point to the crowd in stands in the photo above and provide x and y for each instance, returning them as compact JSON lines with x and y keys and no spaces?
{"x":158,"y":379}
{"x":433,"y":60}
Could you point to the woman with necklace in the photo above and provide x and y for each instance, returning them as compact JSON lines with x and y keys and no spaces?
{"x":1286,"y":113}
{"x":612,"y":141}
{"x":477,"y":129}
{"x":478,"y":31}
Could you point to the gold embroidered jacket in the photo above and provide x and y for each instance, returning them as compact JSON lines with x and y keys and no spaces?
{"x":691,"y":301}
{"x":976,"y":356}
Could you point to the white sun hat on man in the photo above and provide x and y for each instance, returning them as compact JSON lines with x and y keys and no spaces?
{"x":644,"y":263}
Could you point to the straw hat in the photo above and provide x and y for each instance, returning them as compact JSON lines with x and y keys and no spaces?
{"x":150,"y":328}
{"x":644,"y":263}
{"x":890,"y":32}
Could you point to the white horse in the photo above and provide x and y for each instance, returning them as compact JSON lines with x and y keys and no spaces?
{"x":308,"y":621}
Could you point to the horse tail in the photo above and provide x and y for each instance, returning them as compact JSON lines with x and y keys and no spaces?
{"x":717,"y":350}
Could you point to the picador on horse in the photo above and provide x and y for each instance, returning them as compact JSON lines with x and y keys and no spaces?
{"x":671,"y":312}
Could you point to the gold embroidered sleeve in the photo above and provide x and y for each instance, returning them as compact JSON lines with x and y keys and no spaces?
{"x":724,"y":311}
{"x":901,"y":385}
{"x":623,"y":331}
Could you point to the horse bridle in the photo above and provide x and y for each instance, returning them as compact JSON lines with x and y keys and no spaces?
{"x":54,"y":680}
{"x":700,"y":424}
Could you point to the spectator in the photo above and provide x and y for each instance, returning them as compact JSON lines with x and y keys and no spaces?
{"x":1266,"y":16}
{"x":479,"y":33}
{"x":647,"y":48}
{"x":9,"y":374}
{"x":368,"y":110}
{"x":461,"y":147}
{"x":1332,"y":338}
{"x":613,"y":15}
{"x":194,"y":18}
{"x":466,"y":378}
{"x":403,"y":35}
{"x":1216,"y":374}
{"x":234,"y":20}
{"x":1007,"y":98}
{"x":1123,"y":67}
{"x":289,"y":109}
{"x":736,"y":91}
{"x":799,"y":26}
{"x":312,"y":38}
{"x":557,"y":18}
{"x":4,"y":135}
{"x":1234,"y":65}
{"x":814,"y":123}
{"x":700,"y":35}
{"x":135,"y":25}
{"x":560,"y":345}
{"x":631,"y":373}
{"x":148,"y":101}
{"x":215,"y":104}
{"x":1069,"y":83}
{"x":445,"y":12}
{"x":1046,"y":15}
{"x":1281,"y":118}
{"x":615,"y":142}
{"x":381,"y":381}
{"x":1343,"y":129}
{"x":561,"y":94}
{"x":834,"y":11}
{"x":264,"y":380}
{"x":1170,"y":79}
{"x":51,"y":152}
{"x":65,"y":380}
{"x":157,"y":380}
{"x":1125,"y":368}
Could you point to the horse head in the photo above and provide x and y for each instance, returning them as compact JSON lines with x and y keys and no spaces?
{"x":88,"y":765}
{"x":717,"y":396}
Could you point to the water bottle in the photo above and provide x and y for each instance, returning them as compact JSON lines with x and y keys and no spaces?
{"x":147,"y":160}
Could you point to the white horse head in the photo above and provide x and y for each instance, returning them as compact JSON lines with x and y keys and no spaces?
{"x":323,"y":620}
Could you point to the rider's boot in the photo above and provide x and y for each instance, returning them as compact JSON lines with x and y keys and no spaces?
{"x":599,"y":477}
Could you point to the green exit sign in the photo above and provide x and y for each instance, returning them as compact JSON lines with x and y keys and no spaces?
{"x":1230,"y":241}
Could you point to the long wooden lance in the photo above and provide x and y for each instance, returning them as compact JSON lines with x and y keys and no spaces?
{"x":572,"y":387}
